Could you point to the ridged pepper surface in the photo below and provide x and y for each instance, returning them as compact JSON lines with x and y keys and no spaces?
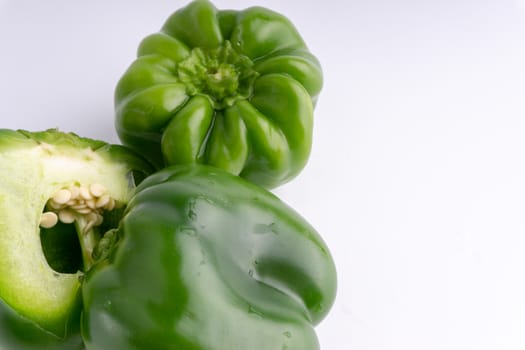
{"x":232,"y":89}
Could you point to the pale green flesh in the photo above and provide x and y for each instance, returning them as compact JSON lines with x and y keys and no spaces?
{"x":28,"y":178}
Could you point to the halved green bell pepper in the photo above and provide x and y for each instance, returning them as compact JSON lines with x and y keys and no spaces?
{"x":232,"y":89}
{"x":56,"y":195}
{"x":204,"y":260}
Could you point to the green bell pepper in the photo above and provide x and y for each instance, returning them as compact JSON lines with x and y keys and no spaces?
{"x":232,"y":89}
{"x":204,"y":260}
{"x":58,"y":193}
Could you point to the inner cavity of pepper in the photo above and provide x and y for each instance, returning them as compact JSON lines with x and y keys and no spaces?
{"x":74,"y":220}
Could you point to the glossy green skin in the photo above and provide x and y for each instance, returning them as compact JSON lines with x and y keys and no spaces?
{"x":260,"y":129}
{"x":18,"y":332}
{"x":209,"y":261}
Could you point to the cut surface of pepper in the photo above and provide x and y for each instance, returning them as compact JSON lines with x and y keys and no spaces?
{"x":58,"y":193}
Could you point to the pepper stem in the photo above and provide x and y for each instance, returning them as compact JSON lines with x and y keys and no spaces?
{"x":221,"y":74}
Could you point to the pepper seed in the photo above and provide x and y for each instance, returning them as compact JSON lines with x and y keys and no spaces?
{"x":48,"y":219}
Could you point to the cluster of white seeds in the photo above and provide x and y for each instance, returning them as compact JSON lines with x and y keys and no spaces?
{"x":78,"y":201}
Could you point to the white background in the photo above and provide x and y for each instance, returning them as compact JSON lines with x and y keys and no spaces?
{"x":416,"y":179}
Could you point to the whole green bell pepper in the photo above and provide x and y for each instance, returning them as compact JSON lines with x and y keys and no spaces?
{"x":204,"y":260}
{"x":232,"y":89}
{"x":58,"y":194}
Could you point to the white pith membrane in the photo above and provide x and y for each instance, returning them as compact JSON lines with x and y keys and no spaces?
{"x":33,"y":181}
